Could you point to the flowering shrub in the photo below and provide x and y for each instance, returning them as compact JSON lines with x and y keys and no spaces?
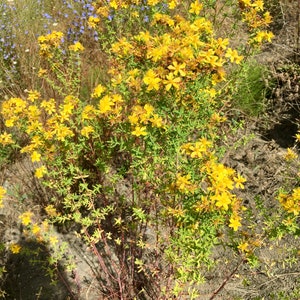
{"x":137,"y":157}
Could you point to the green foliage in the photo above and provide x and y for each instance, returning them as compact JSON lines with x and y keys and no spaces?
{"x":249,"y":92}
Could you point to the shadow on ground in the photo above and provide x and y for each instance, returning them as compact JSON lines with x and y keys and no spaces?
{"x":27,"y":277}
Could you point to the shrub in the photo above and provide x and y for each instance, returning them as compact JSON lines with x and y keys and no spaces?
{"x":132,"y":165}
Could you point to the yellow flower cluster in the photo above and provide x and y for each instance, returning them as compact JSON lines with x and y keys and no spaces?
{"x":76,"y":47}
{"x":218,"y":185}
{"x":50,"y":123}
{"x":13,"y":109}
{"x":109,"y":105}
{"x":186,"y":49}
{"x":141,"y":116}
{"x":221,"y":183}
{"x":93,"y":21}
{"x":183,"y":184}
{"x":41,"y":231}
{"x":121,"y":4}
{"x":248,"y":245}
{"x":255,"y":17}
{"x":198,"y":149}
{"x":291,"y":203}
{"x":49,"y":42}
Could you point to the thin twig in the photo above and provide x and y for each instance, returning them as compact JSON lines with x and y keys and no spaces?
{"x":216,"y":292}
{"x":278,"y":276}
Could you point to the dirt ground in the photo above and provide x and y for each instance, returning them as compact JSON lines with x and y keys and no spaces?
{"x":256,"y":151}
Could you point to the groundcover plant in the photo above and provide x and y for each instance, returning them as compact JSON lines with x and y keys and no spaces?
{"x":122,"y":125}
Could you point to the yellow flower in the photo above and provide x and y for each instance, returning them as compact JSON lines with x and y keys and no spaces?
{"x":149,"y":110}
{"x":222,"y":43}
{"x":172,"y":4}
{"x":35,"y":156}
{"x":296,"y":194}
{"x":258,"y":5}
{"x":33,"y":112}
{"x":233,"y":56}
{"x":151,"y":80}
{"x":196,"y":150}
{"x":291,"y":205}
{"x":50,"y":41}
{"x":222,"y":200}
{"x":33,"y":95}
{"x":113,"y":4}
{"x":42,"y":72}
{"x":267,"y":18}
{"x":88,"y":112}
{"x":156,"y":121}
{"x":212,"y":59}
{"x":244,"y":247}
{"x":26,"y":218}
{"x":93,"y":21}
{"x":122,"y":47}
{"x":15,"y":248}
{"x":152,"y":2}
{"x":216,"y":118}
{"x":76,"y":47}
{"x":62,"y":132}
{"x":143,"y":37}
{"x":40,"y":172}
{"x":103,"y":11}
{"x":135,"y":14}
{"x":262,"y":36}
{"x":234,"y":222}
{"x":183,"y":183}
{"x":186,"y":53}
{"x":171,"y":81}
{"x":195,"y":7}
{"x":105,"y":104}
{"x":246,"y":2}
{"x":116,"y":98}
{"x":220,"y":178}
{"x":6,"y":139}
{"x":34,"y":126}
{"x":98,"y":91}
{"x":13,"y":106}
{"x":36,"y":142}
{"x":51,"y":210}
{"x":133,"y":119}
{"x":156,"y":53}
{"x":10,"y":122}
{"x":290,"y":155}
{"x":87,"y":130}
{"x":49,"y":106}
{"x":36,"y":229}
{"x":2,"y":193}
{"x":53,"y":240}
{"x":178,"y":69}
{"x":239,"y":180}
{"x":138,"y":131}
